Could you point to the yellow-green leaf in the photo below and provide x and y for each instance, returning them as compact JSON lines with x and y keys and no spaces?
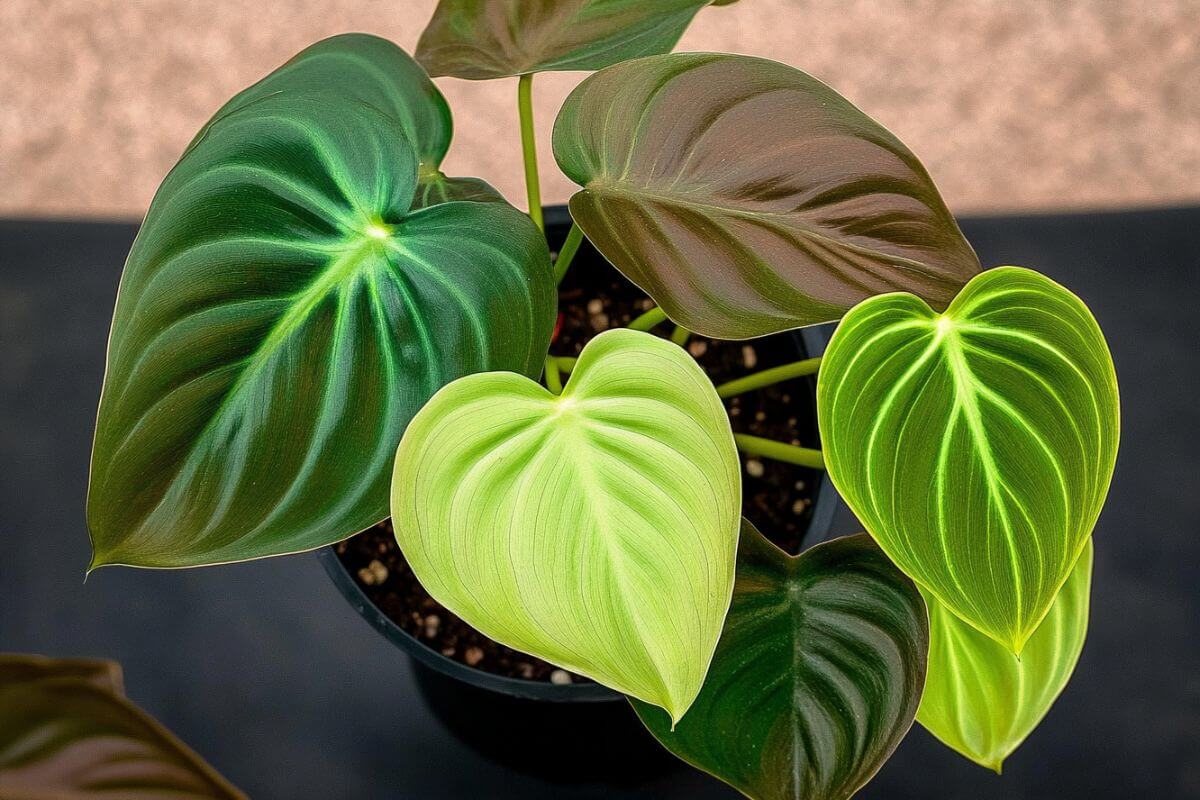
{"x":596,"y":529}
{"x":975,"y":445}
{"x":983,"y":701}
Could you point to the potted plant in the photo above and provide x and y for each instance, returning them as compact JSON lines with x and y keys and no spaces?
{"x":317,"y":330}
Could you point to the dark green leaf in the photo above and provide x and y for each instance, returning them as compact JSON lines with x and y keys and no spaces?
{"x":377,"y":73}
{"x":65,"y":735}
{"x":281,"y":317}
{"x":817,"y":675}
{"x":501,"y":38}
{"x":747,"y":197}
{"x":976,"y":445}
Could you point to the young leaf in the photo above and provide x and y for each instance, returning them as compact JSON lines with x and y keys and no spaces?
{"x":381,"y":75}
{"x":596,"y":529}
{"x":977,"y":445}
{"x":747,"y":197}
{"x":280,"y":319}
{"x":65,"y":734}
{"x":980,"y":699}
{"x":817,"y":675}
{"x":502,"y":38}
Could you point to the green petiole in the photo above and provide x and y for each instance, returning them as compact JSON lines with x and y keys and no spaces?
{"x":553,"y":378}
{"x":648,"y":320}
{"x":789,"y":453}
{"x":769,"y":377}
{"x":566,"y":253}
{"x":529,"y":149}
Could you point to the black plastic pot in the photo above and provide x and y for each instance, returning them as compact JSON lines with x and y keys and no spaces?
{"x":574,"y":732}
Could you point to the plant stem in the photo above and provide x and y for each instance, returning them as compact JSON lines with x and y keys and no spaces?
{"x":680,"y":335}
{"x":566,"y":253}
{"x":566,"y":363}
{"x":768,"y":377}
{"x":789,"y":453}
{"x":648,"y":320}
{"x":553,"y":379}
{"x":529,"y":148}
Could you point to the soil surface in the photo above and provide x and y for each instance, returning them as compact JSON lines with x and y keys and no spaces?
{"x":777,"y":497}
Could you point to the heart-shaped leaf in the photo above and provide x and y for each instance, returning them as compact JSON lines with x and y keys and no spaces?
{"x":281,"y":317}
{"x":501,"y":38}
{"x":65,"y":735}
{"x":980,"y":699}
{"x":596,"y":529}
{"x":816,"y":678}
{"x":747,"y":197}
{"x":379,"y":74}
{"x":977,"y":445}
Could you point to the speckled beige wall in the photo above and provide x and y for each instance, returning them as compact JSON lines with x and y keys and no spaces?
{"x":1027,"y":104}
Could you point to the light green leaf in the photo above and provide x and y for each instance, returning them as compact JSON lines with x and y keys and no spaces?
{"x":747,"y":197}
{"x":379,"y":74}
{"x":980,"y":699}
{"x":596,"y":529}
{"x":67,"y":733}
{"x":281,"y":317}
{"x":817,"y":675}
{"x":501,"y":38}
{"x":977,"y":445}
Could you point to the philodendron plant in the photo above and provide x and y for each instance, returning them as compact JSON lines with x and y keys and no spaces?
{"x":313,"y":313}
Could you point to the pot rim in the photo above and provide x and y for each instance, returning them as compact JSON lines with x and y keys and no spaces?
{"x":812,"y":340}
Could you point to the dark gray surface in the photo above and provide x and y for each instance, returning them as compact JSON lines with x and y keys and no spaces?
{"x":265,"y":670}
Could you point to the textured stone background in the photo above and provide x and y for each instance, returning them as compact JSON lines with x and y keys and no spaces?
{"x":1027,"y":104}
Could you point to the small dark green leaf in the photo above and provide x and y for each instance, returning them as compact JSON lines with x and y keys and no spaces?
{"x":501,"y":38}
{"x":281,"y":318}
{"x":747,"y":197}
{"x":65,"y":734}
{"x":817,"y":675}
{"x":975,"y":445}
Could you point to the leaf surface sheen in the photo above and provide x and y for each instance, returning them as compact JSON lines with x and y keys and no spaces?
{"x":281,"y":316}
{"x":596,"y":529}
{"x":747,"y":197}
{"x":504,"y":38}
{"x":67,"y":732}
{"x":817,"y":675}
{"x":377,"y":73}
{"x":982,"y":701}
{"x":976,"y":446}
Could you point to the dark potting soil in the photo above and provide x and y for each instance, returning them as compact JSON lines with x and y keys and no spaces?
{"x":777,"y":498}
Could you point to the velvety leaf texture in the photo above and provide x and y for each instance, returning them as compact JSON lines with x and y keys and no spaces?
{"x":66,"y":734}
{"x":980,"y":699}
{"x":977,"y":445}
{"x":379,"y":74}
{"x":281,"y":317}
{"x":596,"y":529}
{"x":817,"y":675}
{"x":502,"y":38}
{"x":747,"y":197}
